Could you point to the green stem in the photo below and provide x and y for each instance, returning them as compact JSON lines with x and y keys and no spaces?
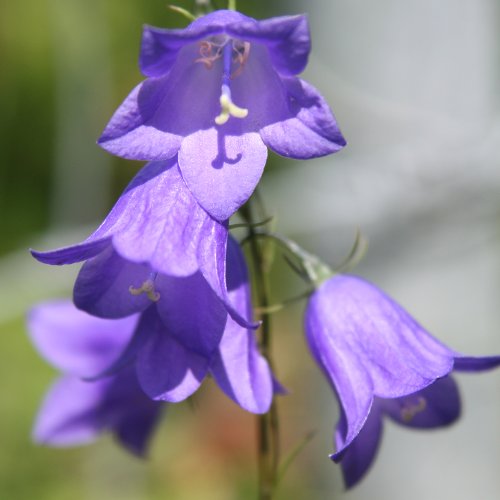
{"x":183,"y":12}
{"x":231,"y":4}
{"x":268,"y":424}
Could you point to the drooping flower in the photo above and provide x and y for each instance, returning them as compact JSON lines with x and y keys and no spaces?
{"x":217,"y":93}
{"x":76,"y":411}
{"x":380,"y":361}
{"x":183,"y":332}
{"x":156,"y":230}
{"x":174,"y":347}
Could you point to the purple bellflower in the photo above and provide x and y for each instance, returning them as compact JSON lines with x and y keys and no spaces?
{"x":155,"y":233}
{"x":380,"y":361}
{"x":176,"y":346}
{"x":217,"y":93}
{"x":76,"y":411}
{"x":183,"y":332}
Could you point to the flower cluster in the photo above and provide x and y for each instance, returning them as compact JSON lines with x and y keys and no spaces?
{"x":162,"y":281}
{"x":163,"y":296}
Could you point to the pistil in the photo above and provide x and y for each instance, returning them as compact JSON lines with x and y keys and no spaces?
{"x":228,"y":108}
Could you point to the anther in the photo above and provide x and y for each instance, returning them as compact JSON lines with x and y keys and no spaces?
{"x":242,"y":53}
{"x":148,"y":287}
{"x":408,"y":411}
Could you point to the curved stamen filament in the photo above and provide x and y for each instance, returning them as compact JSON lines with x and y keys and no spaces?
{"x":209,"y":52}
{"x":408,"y":411}
{"x":242,"y":54}
{"x":148,"y":287}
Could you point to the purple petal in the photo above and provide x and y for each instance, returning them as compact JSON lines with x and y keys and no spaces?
{"x":131,"y":132}
{"x":260,"y":90}
{"x":160,"y":47}
{"x":356,"y":460}
{"x":437,"y":405}
{"x":376,"y":333}
{"x":368,"y":345}
{"x":76,"y":412}
{"x":76,"y":342}
{"x":229,"y":166}
{"x":143,"y":333}
{"x":476,"y":364}
{"x":70,"y":414}
{"x":240,"y":371}
{"x":238,"y":368}
{"x":191,"y":312}
{"x":287,"y":39}
{"x":309,"y":128}
{"x":166,"y":370}
{"x":278,"y":388}
{"x":151,"y":122}
{"x":73,"y":253}
{"x":129,"y":413}
{"x":134,"y":429}
{"x":351,"y":383}
{"x":212,"y":262}
{"x":157,"y":221}
{"x":103,"y":284}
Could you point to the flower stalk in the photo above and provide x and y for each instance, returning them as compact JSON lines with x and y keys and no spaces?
{"x":268,"y":438}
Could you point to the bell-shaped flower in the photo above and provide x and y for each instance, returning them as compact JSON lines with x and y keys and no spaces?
{"x":217,"y":93}
{"x":174,"y":347}
{"x":156,"y":230}
{"x":76,"y":411}
{"x":380,"y":361}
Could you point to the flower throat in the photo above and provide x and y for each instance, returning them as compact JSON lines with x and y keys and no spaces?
{"x":232,"y":52}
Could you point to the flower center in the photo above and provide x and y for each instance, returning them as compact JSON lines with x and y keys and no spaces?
{"x":410,"y":408}
{"x":148,"y":287}
{"x":234,"y":53}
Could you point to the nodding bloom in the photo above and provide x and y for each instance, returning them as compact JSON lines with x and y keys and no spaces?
{"x":76,"y":411}
{"x":176,"y":346}
{"x":182,"y":332}
{"x":217,"y":93}
{"x":156,"y":233}
{"x":380,"y":361}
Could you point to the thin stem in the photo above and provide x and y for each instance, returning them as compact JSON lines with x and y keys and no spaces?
{"x":278,"y":307}
{"x":264,"y":222}
{"x":182,"y":12}
{"x":268,"y":445}
{"x":292,"y":456}
{"x":231,"y":4}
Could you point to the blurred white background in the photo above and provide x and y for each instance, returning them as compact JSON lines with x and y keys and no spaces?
{"x":414,"y":86}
